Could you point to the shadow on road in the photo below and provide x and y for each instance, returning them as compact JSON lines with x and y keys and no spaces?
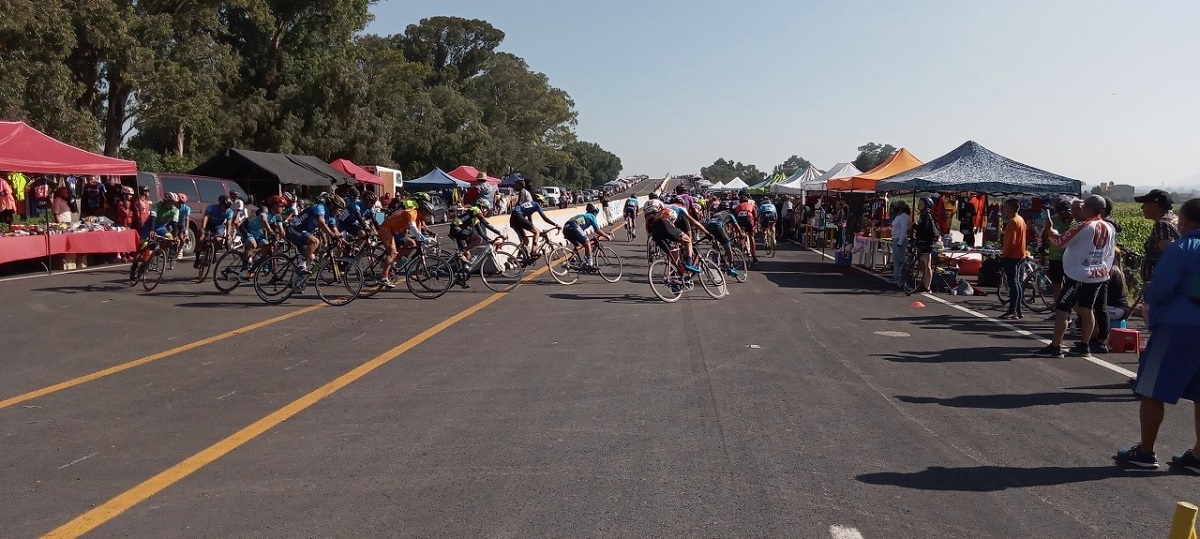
{"x":958,"y":324}
{"x":1012,"y":401}
{"x":106,"y":286}
{"x":629,"y":299}
{"x":993,"y":478}
{"x":973,"y":354}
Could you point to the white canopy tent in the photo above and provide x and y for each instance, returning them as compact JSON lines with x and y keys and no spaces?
{"x":840,"y":170}
{"x":795,"y":185}
{"x":735,"y":184}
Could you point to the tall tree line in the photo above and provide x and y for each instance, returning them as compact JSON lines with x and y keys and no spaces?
{"x":170,"y":82}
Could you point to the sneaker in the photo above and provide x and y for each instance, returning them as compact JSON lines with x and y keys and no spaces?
{"x":388,"y":283}
{"x":1135,"y":458}
{"x":1187,"y":461}
{"x":733,"y":272}
{"x":1051,"y":351}
{"x":1098,"y":347}
{"x":1081,"y":349}
{"x":691,"y":268}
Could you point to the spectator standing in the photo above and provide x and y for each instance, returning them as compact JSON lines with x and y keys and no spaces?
{"x":8,"y":202}
{"x":1156,"y":206}
{"x":1169,"y":368}
{"x":1087,"y":260}
{"x":901,"y":223}
{"x":61,"y":206}
{"x":966,"y":220}
{"x":1012,"y":254}
{"x":925,"y":234}
{"x":1099,"y":343}
{"x":1061,"y":223}
{"x":523,"y":194}
{"x":94,"y":196}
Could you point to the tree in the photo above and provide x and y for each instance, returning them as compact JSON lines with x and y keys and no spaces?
{"x":456,"y":49}
{"x":870,"y":155}
{"x":722,"y":171}
{"x":590,"y":166}
{"x":791,"y":165}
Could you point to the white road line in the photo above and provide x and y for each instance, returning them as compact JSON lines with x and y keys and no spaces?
{"x":222,"y":397}
{"x":1010,"y":327}
{"x":843,"y":532}
{"x":78,"y":460}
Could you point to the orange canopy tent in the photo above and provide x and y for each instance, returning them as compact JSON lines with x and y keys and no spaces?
{"x":900,"y":161}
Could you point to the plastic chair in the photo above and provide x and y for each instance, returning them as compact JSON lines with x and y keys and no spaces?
{"x":1125,"y":340}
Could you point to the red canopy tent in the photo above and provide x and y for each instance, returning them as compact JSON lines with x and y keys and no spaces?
{"x":25,"y":149}
{"x":358,"y":173}
{"x":468,"y":174}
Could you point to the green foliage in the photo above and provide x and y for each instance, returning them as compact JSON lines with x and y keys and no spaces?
{"x":1134,"y":228}
{"x":723,"y":170}
{"x":791,"y":165}
{"x":870,"y":155}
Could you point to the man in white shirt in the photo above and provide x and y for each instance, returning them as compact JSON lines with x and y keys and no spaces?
{"x":900,"y":227}
{"x":1087,"y":260}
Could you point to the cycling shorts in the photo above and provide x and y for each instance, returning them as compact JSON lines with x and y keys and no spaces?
{"x":297,"y":237}
{"x":258,"y":239}
{"x":630,"y":212}
{"x":745,"y":223}
{"x":663,"y":231}
{"x":218,"y":230}
{"x":574,"y":235}
{"x":520,"y":223}
{"x":720,"y":236}
{"x":767,"y":222}
{"x":683,"y":224}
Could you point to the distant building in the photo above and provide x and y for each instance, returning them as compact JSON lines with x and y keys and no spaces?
{"x":1119,"y":193}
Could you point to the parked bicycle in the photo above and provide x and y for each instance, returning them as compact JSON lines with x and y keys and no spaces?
{"x":1036,"y":287}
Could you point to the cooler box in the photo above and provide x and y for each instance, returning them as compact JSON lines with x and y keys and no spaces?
{"x":842,"y":258}
{"x":969,"y":266}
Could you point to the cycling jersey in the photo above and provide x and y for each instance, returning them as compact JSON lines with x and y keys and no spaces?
{"x":583,"y":222}
{"x":217,"y":218}
{"x":256,"y":228}
{"x":527,"y":209}
{"x":309,"y":219}
{"x":653,"y":205}
{"x":631,"y":203}
{"x":721,"y":218}
{"x":164,"y":213}
{"x":354,"y":216}
{"x":402,"y":223}
{"x":746,"y":214}
{"x":185,"y":213}
{"x":767,"y":211}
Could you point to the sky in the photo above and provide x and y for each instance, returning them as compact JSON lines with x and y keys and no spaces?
{"x":1096,"y":90}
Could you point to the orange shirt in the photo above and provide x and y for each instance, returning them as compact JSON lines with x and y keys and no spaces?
{"x":1014,"y":238}
{"x":398,"y":223}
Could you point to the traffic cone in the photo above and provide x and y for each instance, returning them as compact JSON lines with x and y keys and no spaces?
{"x":918,"y":305}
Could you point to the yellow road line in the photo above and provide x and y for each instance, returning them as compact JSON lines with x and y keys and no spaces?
{"x":151,"y":358}
{"x":112,"y":508}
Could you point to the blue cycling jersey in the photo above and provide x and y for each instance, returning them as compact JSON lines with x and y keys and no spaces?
{"x":584,"y":221}
{"x":527,"y":209}
{"x":354,"y":215}
{"x":217,"y":216}
{"x":631,"y":203}
{"x":767,"y":209}
{"x":307,"y":220}
{"x":255,"y":226}
{"x":184,"y":212}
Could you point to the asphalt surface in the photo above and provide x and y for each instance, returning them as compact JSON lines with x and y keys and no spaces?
{"x":809,"y":398}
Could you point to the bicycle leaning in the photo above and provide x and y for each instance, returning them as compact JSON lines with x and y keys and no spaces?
{"x":1037,"y":291}
{"x":150,"y":262}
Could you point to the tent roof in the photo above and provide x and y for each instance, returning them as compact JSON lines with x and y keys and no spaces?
{"x":971,"y":167}
{"x":799,"y":182}
{"x":361,"y":174}
{"x":511,"y":180}
{"x":25,"y":149}
{"x":235,"y":164}
{"x":840,"y":170}
{"x":435,"y":179}
{"x":736,"y":183}
{"x":778,"y":178}
{"x":898,"y":162}
{"x":468,"y":173}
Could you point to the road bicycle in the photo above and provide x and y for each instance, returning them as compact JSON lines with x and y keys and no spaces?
{"x":769,"y":240}
{"x":630,"y":227}
{"x":669,"y":279}
{"x":569,"y":262}
{"x":337,"y":280}
{"x":716,"y":254}
{"x":1036,"y":287}
{"x":150,"y":262}
{"x":234,"y":269}
{"x":427,"y":270}
{"x":910,"y":271}
{"x":545,"y":246}
{"x":206,"y":255}
{"x":497,"y":266}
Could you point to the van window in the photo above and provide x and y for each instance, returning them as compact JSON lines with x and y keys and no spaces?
{"x":235,"y":188}
{"x":211,"y":190}
{"x":178,"y":185}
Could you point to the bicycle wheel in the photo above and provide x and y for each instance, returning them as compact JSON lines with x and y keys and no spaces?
{"x":273,"y":278}
{"x":1002,"y":291}
{"x":609,"y":264}
{"x":741,"y":264}
{"x":564,"y":266}
{"x":630,"y":232}
{"x":227,"y":275}
{"x":910,"y":275}
{"x":205,"y":259}
{"x":137,"y":268}
{"x":712,"y":280}
{"x":154,"y":270}
{"x":771,"y":244}
{"x":372,"y":273}
{"x":339,"y":281}
{"x":665,"y":281}
{"x":429,"y":277}
{"x":1039,"y":295}
{"x":500,"y":271}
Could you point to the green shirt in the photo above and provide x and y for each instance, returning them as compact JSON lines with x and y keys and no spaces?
{"x":1052,"y":252}
{"x":162,"y":215}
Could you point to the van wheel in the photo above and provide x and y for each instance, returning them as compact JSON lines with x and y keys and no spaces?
{"x":189,"y":242}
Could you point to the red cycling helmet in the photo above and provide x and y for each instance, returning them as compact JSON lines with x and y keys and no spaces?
{"x":277,"y":200}
{"x":182,"y":197}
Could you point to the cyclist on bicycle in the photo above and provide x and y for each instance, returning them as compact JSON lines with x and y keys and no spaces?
{"x":631,"y":209}
{"x":356,"y":219}
{"x":469,"y":230}
{"x":305,"y":229}
{"x":257,"y":231}
{"x":663,"y":232}
{"x":651,"y":209}
{"x":215,"y":222}
{"x":181,"y":225}
{"x":163,"y":214}
{"x":719,"y":226}
{"x":575,"y":231}
{"x":684,"y":220}
{"x":401,"y":231}
{"x":687,"y":201}
{"x":767,"y":216}
{"x":520,"y":219}
{"x":239,"y":209}
{"x":747,"y":219}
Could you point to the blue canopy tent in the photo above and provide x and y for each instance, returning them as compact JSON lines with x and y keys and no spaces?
{"x":971,"y":167}
{"x":436,"y":179}
{"x":511,"y":180}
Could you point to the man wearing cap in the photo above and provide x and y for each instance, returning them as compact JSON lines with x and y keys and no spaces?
{"x":484,"y":192}
{"x":1087,"y":260}
{"x":1156,"y":206}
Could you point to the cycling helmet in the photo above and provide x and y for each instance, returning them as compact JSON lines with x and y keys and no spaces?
{"x":654,"y":195}
{"x":679,"y":190}
{"x":182,"y":197}
{"x":351,"y":192}
{"x":234,"y":195}
{"x":539,"y":198}
{"x":410,"y":204}
{"x":928,"y":202}
{"x":276,"y":200}
{"x":171,"y":197}
{"x":290,"y":198}
{"x":370,"y":197}
{"x":337,"y":202}
{"x":592,"y":209}
{"x":424,"y":206}
{"x":421,"y":197}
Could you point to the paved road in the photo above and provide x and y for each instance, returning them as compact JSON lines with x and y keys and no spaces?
{"x":807,"y":399}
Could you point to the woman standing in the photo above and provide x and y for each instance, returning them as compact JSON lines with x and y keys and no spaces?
{"x":1169,"y":368}
{"x":900,"y":226}
{"x":62,"y":205}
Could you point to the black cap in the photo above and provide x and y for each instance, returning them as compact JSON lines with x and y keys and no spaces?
{"x":1157,"y":196}
{"x":1062,"y":207}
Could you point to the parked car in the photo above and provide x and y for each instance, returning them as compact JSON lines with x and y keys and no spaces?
{"x":200,"y":190}
{"x":441,"y":210}
{"x":552,"y":194}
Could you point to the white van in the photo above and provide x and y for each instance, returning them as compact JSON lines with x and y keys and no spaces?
{"x":552,"y":194}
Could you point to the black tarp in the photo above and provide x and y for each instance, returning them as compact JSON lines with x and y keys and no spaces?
{"x":252,"y":166}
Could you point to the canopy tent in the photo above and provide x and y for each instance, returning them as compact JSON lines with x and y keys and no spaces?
{"x":25,"y":149}
{"x":838,"y":171}
{"x":348,"y":167}
{"x":797,"y":183}
{"x":971,"y":167}
{"x":735,"y":184}
{"x":251,"y":166}
{"x":436,"y":179}
{"x":764,"y":186}
{"x":469,"y":173}
{"x":511,"y":180}
{"x":865,"y":182}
